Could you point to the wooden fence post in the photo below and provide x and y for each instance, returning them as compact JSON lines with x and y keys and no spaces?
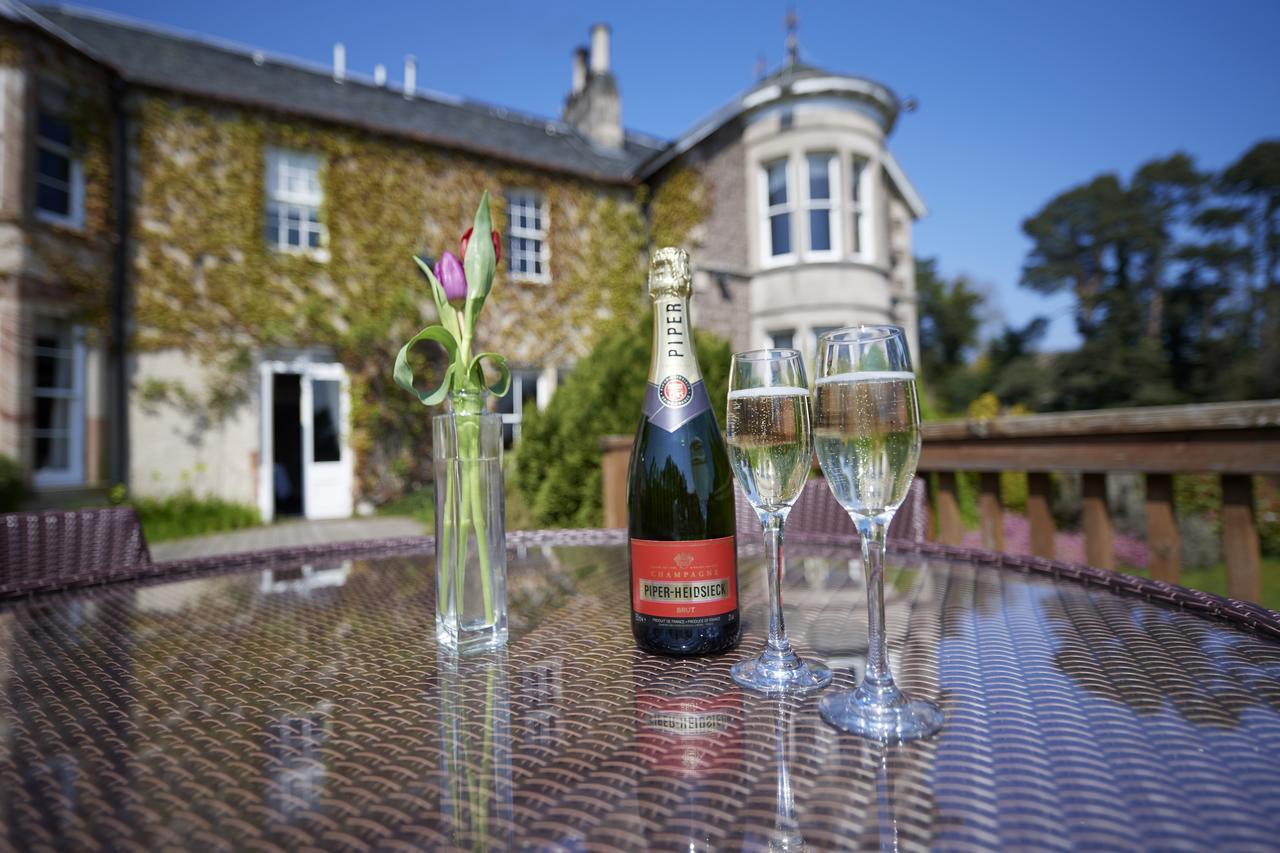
{"x":990,"y":512}
{"x":1240,"y":538}
{"x":950,"y":530}
{"x":1098,"y":550}
{"x":616,"y":454}
{"x":1039,"y":514}
{"x":1163,"y":542}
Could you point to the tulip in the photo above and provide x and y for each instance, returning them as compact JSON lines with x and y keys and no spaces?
{"x":452,"y":278}
{"x":497,"y":244}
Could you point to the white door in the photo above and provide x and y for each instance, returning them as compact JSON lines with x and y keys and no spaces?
{"x":326,"y":452}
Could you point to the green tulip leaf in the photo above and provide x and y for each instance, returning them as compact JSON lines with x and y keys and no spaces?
{"x":404,"y":373}
{"x":480,"y":261}
{"x":503,"y":383}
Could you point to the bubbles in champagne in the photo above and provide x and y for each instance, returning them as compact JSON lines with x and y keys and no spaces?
{"x":770,"y":445}
{"x":867,"y":433}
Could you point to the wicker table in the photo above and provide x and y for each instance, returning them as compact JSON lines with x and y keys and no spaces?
{"x":298,"y":700}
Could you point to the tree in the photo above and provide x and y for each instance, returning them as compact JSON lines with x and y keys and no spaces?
{"x":558,"y":459}
{"x":949,"y":334}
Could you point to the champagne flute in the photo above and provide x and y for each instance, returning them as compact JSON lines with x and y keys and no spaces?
{"x":771,"y":451}
{"x":867,"y":433}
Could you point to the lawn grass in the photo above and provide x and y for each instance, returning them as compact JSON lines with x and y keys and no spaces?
{"x":1214,"y":579}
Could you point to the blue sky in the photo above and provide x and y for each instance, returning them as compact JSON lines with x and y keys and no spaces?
{"x":1018,"y":100}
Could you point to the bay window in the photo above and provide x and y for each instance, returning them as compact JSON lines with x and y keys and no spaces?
{"x":822,"y":173}
{"x":860,"y":182}
{"x":778,"y":207}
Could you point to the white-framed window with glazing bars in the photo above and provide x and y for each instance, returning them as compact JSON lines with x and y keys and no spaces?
{"x":527,"y":250}
{"x":294,"y":199}
{"x":822,"y":182}
{"x":777,"y":213}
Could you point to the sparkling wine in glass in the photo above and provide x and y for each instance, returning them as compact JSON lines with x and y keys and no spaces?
{"x":771,"y":450}
{"x":867,"y":433}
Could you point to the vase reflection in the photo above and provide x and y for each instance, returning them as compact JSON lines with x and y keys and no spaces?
{"x":475,"y":749}
{"x":786,"y":828}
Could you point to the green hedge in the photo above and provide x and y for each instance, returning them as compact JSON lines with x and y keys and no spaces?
{"x":13,"y":487}
{"x":184,"y":514}
{"x":558,"y":461}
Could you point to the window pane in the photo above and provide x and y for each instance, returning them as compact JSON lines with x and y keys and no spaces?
{"x":313,"y":239}
{"x":326,"y":442}
{"x":819,"y":178}
{"x":273,"y":225}
{"x":54,"y":165}
{"x":53,"y":372}
{"x":52,"y":452}
{"x":53,"y":200}
{"x":857,"y":233}
{"x":780,"y":234}
{"x":782,"y":339}
{"x":54,"y":128}
{"x":820,"y":230}
{"x":777,"y":183}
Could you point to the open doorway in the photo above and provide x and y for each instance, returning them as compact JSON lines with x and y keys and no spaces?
{"x":286,"y":443}
{"x":306,"y":466}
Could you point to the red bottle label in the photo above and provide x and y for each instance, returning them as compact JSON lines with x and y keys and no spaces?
{"x":684,"y":580}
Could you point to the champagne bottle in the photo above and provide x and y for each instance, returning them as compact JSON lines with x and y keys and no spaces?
{"x":680,"y":500}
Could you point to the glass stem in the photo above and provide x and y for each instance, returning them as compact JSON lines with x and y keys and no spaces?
{"x":878,"y":680}
{"x":773,"y":521}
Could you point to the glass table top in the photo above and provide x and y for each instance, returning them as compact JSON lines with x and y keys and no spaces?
{"x":308,"y":706}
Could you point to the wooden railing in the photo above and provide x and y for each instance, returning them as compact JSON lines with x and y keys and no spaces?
{"x":1232,"y":440}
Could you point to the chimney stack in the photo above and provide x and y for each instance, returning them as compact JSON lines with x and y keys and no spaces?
{"x":339,"y":62}
{"x":579,"y":70}
{"x":600,"y":49}
{"x":410,"y":76}
{"x":379,"y":75}
{"x":594,"y":107}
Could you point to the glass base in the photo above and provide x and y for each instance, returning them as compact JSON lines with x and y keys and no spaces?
{"x":472,"y":639}
{"x":774,"y":672}
{"x":891,"y":717}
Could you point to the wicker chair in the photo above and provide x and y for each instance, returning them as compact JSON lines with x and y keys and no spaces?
{"x":53,"y":549}
{"x":817,"y":511}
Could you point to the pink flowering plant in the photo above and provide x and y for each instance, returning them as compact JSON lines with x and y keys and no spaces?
{"x":459,"y":288}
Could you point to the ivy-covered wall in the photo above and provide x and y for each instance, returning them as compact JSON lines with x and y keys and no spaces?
{"x":205,"y":281}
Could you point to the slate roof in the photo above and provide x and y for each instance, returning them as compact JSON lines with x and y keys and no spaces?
{"x":197,"y":66}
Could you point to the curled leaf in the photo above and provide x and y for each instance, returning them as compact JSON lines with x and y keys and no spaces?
{"x":403,"y":373}
{"x":476,"y":372}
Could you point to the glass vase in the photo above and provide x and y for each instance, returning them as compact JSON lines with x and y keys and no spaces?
{"x":471,"y":552}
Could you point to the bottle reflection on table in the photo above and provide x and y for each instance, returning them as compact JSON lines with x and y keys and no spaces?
{"x":690,"y":738}
{"x":475,"y":748}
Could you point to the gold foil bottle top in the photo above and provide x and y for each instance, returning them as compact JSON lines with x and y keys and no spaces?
{"x":669,"y":273}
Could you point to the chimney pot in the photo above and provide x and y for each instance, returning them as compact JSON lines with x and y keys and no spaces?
{"x":579,"y":70}
{"x":339,"y":62}
{"x":380,"y":74}
{"x":410,"y":76}
{"x":600,"y":49}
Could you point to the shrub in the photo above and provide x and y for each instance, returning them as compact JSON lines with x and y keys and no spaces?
{"x":13,"y":486}
{"x":558,"y":462}
{"x":184,"y":514}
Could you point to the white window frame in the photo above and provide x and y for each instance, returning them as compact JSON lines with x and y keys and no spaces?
{"x":284,"y":165}
{"x":74,"y":218}
{"x":519,"y":376}
{"x":831,"y":203}
{"x":767,"y":211}
{"x":73,"y":473}
{"x":528,"y":199}
{"x":861,"y":195}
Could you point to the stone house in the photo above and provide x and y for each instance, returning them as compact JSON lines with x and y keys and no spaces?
{"x":204,"y":249}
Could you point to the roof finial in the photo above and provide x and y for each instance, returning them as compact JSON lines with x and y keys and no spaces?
{"x":793,"y":44}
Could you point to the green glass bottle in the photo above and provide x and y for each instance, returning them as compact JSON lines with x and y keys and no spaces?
{"x":680,"y":496}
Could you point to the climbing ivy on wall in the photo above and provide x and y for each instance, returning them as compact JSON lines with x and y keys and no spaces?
{"x":206,"y":282}
{"x":680,"y":203}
